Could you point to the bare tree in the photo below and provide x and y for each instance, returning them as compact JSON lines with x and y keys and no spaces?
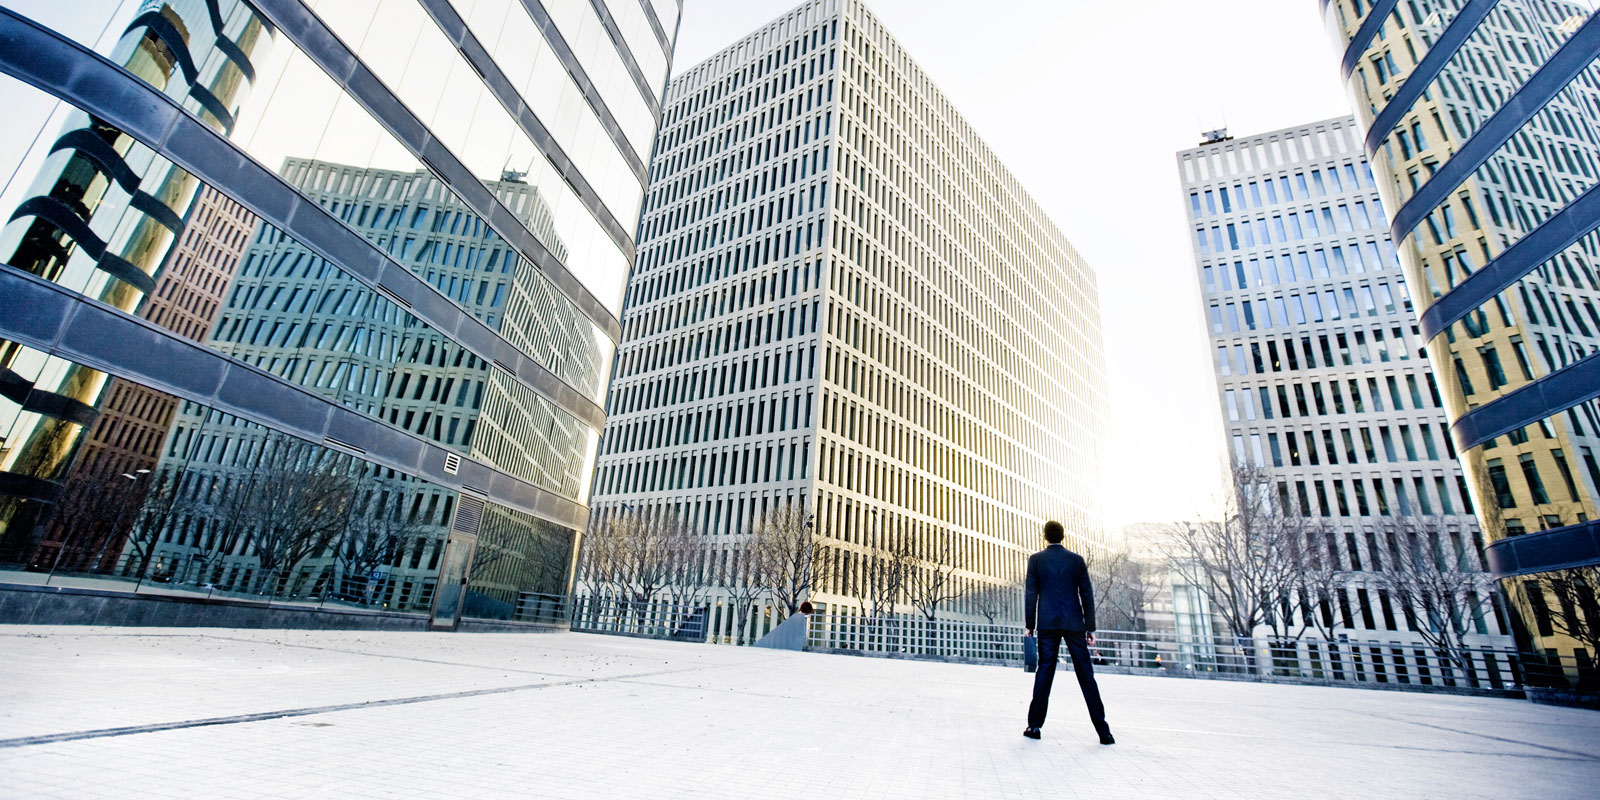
{"x":1244,"y":560}
{"x":786,"y":545}
{"x":930,"y":575}
{"x":600,"y":561}
{"x":628,"y":553}
{"x":885,"y":569}
{"x":1124,"y":587}
{"x":298,"y":506}
{"x":1431,"y":577}
{"x":164,"y":503}
{"x":686,"y":552}
{"x":646,"y":565}
{"x":1576,"y":612}
{"x":378,"y":534}
{"x":1319,"y":583}
{"x":995,"y":600}
{"x":746,"y":585}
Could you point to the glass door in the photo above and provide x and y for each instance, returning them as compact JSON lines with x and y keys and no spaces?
{"x":452,"y":582}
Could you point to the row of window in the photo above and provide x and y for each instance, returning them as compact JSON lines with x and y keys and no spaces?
{"x":1312,"y":264}
{"x":1296,"y":449}
{"x":1265,"y":357}
{"x":1267,"y":191}
{"x":1294,"y":309}
{"x":1273,"y":152}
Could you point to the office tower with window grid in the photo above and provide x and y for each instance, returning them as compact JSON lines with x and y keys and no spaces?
{"x":844,"y":299}
{"x":1482,"y":122}
{"x":1320,"y":373}
{"x":398,"y":402}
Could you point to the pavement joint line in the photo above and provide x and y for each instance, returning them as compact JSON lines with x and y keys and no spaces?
{"x":274,"y":643}
{"x":264,"y":716}
{"x":387,"y":655}
{"x":1577,"y":753}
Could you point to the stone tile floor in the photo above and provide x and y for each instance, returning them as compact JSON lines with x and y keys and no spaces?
{"x":139,"y":713}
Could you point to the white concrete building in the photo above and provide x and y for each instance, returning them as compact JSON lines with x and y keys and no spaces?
{"x":844,"y":299}
{"x":1319,"y":366}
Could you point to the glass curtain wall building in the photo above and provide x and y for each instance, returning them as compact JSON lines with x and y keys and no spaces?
{"x":1482,"y":121}
{"x":845,"y":301}
{"x":1320,"y":371}
{"x":398,"y":232}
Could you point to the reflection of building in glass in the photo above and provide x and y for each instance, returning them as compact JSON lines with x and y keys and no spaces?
{"x":124,"y":443}
{"x":295,"y":315}
{"x":1483,"y":126}
{"x":100,"y":218}
{"x":1319,"y":374}
{"x":845,"y":300}
{"x":425,"y":312}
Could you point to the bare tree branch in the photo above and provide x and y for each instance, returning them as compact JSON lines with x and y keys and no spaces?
{"x":1432,"y":578}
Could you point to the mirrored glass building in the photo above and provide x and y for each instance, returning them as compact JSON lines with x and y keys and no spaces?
{"x":1482,"y":122}
{"x":315,"y":301}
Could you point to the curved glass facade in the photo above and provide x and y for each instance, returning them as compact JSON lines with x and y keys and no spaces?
{"x":1483,"y":127}
{"x":317,"y":301}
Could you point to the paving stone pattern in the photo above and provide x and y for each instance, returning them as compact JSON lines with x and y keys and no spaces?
{"x":214,"y":713}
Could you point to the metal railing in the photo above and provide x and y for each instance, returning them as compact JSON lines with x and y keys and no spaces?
{"x":653,"y":619}
{"x":1392,"y":664}
{"x":317,"y":583}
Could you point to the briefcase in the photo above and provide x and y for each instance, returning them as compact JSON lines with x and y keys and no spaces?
{"x":1030,"y":654}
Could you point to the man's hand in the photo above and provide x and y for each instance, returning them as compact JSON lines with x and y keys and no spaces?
{"x":1027,"y":632}
{"x":1089,"y":638}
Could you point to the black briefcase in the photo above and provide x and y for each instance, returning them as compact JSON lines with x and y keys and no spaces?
{"x":1030,"y":654}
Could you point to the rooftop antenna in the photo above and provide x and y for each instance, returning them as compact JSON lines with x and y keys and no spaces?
{"x":1218,"y":135}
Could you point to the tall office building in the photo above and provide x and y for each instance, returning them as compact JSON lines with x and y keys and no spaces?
{"x":445,"y":195}
{"x":844,"y":299}
{"x":1482,"y":121}
{"x":1319,"y":368}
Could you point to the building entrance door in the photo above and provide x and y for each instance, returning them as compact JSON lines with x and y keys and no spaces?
{"x":453,"y":575}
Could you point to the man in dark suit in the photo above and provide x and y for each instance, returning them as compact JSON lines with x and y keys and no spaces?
{"x":1060,"y":606}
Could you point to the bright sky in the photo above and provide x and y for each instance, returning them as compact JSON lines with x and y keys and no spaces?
{"x":1086,"y":101}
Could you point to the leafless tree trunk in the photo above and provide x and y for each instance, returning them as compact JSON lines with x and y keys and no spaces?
{"x":996,"y":600}
{"x":1244,"y":560}
{"x":378,"y":535}
{"x":687,"y":552}
{"x":163,"y":505}
{"x":746,"y":585}
{"x":299,"y":507}
{"x":1575,"y":612}
{"x":884,"y":573}
{"x":930,"y":575}
{"x":786,"y":545}
{"x":1124,"y":587}
{"x":1435,"y":583}
{"x":96,"y":512}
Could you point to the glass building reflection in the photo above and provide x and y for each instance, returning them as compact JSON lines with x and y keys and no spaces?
{"x":416,"y":309}
{"x":1482,"y":123}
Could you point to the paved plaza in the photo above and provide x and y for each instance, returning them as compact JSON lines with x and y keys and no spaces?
{"x":136,"y":713}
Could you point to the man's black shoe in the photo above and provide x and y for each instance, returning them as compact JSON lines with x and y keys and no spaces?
{"x":1107,"y":738}
{"x":1031,"y":733}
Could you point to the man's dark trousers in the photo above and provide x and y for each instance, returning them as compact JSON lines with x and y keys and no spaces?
{"x":1049,"y":655}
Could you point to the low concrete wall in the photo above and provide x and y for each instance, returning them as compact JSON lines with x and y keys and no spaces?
{"x":1565,"y":697}
{"x":22,"y":604}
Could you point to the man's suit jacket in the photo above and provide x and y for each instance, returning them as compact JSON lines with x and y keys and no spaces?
{"x":1059,"y":594}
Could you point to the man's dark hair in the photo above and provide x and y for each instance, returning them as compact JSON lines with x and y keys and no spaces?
{"x":1053,"y":532}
